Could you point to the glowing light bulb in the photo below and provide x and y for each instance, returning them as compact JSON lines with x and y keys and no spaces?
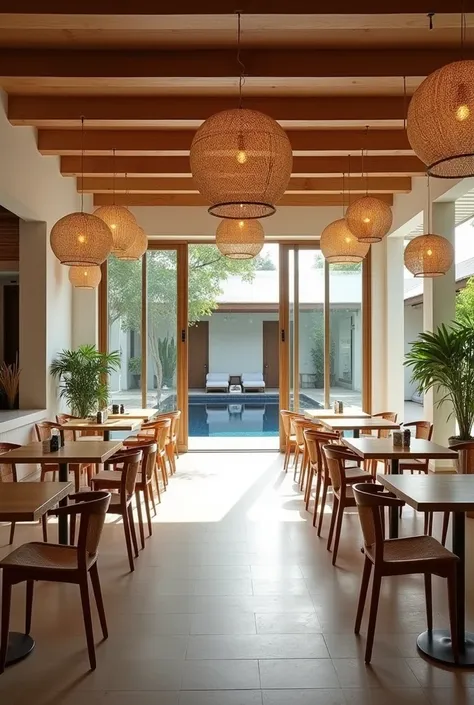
{"x":113,"y":226}
{"x":462,"y":112}
{"x":348,"y":240}
{"x":429,"y":252}
{"x":366,"y":219}
{"x":81,"y":239}
{"x":241,"y":223}
{"x":85,"y":273}
{"x":241,"y":156}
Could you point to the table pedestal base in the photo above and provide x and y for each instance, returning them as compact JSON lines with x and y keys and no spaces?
{"x":19,"y":647}
{"x":437,"y":645}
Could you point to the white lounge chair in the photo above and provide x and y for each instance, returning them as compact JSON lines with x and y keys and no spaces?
{"x":253,"y":381}
{"x":217,"y":381}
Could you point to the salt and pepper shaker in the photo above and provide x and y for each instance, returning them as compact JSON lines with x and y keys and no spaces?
{"x":406,"y":437}
{"x":397,"y":438}
{"x":54,"y":443}
{"x":115,"y":408}
{"x":122,"y":409}
{"x":100,"y":417}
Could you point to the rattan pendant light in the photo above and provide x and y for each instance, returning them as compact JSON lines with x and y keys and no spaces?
{"x":80,"y":238}
{"x":241,"y":160}
{"x":240,"y":239}
{"x":429,"y":255}
{"x":137,"y":249}
{"x":85,"y":277}
{"x":121,"y":222}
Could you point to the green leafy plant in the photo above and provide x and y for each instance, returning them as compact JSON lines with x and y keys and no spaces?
{"x":83,"y":375}
{"x":317,"y":350}
{"x":444,"y":361}
{"x":168,"y":357}
{"x":135,"y":365}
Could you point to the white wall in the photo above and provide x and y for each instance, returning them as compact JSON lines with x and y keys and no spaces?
{"x":236,"y":341}
{"x":413,"y":327}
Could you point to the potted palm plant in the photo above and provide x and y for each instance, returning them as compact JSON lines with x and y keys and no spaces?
{"x":83,"y":376}
{"x":444,"y":361}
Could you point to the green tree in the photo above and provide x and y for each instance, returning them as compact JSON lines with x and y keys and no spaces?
{"x":465,"y":303}
{"x":264,"y":263}
{"x":341,"y":267}
{"x":208,"y":269}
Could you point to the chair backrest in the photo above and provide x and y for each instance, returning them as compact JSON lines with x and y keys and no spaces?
{"x":335,"y":457}
{"x":323,"y":438}
{"x":252,"y":377}
{"x":387,"y":416}
{"x":92,"y":508}
{"x":217,"y":376}
{"x":8,"y":471}
{"x":43,"y":429}
{"x":163,"y":429}
{"x":371,"y":500}
{"x":314,"y":439}
{"x":423,"y":429}
{"x":131,"y":465}
{"x":300,"y":424}
{"x":149,"y":450}
{"x":286,"y":417}
{"x":62,"y":419}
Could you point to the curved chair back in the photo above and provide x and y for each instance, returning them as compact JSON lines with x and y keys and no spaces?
{"x":287,"y":419}
{"x":8,"y":470}
{"x":92,"y":508}
{"x":423,"y":429}
{"x":43,"y":429}
{"x":149,"y":450}
{"x":314,"y":440}
{"x":300,"y":425}
{"x":371,"y":500}
{"x":62,"y":419}
{"x":335,"y":458}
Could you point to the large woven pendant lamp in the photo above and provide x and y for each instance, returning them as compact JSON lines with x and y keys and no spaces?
{"x":80,"y":238}
{"x":121,"y":222}
{"x":240,"y":239}
{"x":429,"y":255}
{"x":85,"y":277}
{"x":241,"y":161}
{"x":137,"y":249}
{"x":369,"y":218}
{"x":339,"y":245}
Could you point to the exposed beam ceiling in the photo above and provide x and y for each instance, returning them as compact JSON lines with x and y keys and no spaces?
{"x":177,"y":199}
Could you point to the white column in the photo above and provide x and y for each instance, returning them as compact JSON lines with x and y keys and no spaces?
{"x":395,"y":325}
{"x":439,"y":306}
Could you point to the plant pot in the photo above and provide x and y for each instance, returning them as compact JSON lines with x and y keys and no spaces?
{"x":136,"y":381}
{"x":465,"y":462}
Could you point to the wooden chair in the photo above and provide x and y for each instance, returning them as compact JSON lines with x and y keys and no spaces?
{"x":158,"y":431}
{"x":77,"y":435}
{"x":58,"y":563}
{"x":43,"y":432}
{"x":424,"y":430}
{"x":405,"y":556}
{"x":143,"y":484}
{"x":316,"y":468}
{"x":300,"y":425}
{"x":343,"y":496}
{"x":290,"y":438}
{"x":381,"y":433}
{"x":121,"y":503}
{"x":8,"y":474}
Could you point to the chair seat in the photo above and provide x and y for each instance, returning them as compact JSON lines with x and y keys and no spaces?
{"x":415,"y":548}
{"x":356,"y":474}
{"x":411,"y":464}
{"x":43,"y":556}
{"x":113,"y":477}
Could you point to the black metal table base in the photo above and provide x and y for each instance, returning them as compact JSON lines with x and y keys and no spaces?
{"x":437,"y":646}
{"x":19,"y":647}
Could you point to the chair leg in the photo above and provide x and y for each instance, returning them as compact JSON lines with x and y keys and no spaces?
{"x":429,"y":601}
{"x":146,"y":495}
{"x":452,"y":613}
{"x":316,"y":497}
{"x":295,"y":462}
{"x":322,"y":507}
{"x":12,"y":532}
{"x":140,"y":518}
{"x":155,"y":476}
{"x":304,"y":467}
{"x":444,"y":532}
{"x":309,"y":486}
{"x":337,"y":532}
{"x":44,"y":526}
{"x":86,"y":613}
{"x":164,"y":473}
{"x":335,"y":507}
{"x":363,"y":594}
{"x":77,"y":477}
{"x":128,"y":539}
{"x":133,"y":532}
{"x":286,"y":460}
{"x":94,"y":572}
{"x":72,"y":530}
{"x":6,"y":603}
{"x":30,"y":585}
{"x":374,"y":604}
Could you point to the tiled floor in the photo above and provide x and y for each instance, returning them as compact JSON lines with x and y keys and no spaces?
{"x":233,"y":602}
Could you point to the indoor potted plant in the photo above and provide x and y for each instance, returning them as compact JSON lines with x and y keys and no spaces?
{"x":83,"y":376}
{"x":444,"y":361}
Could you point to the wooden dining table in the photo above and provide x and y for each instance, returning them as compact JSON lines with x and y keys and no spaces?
{"x":28,"y":501}
{"x":442,"y":492}
{"x":94,"y":452}
{"x":130,"y":424}
{"x":371,"y":448}
{"x":356,"y":425}
{"x":350,"y":412}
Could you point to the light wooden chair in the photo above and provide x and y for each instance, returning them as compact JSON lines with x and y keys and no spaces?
{"x":300,"y":425}
{"x":289,"y":433}
{"x":172,"y":438}
{"x":158,"y":431}
{"x":343,"y":496}
{"x":371,"y":465}
{"x":57,"y":563}
{"x":314,"y":440}
{"x":405,"y":556}
{"x":43,"y":432}
{"x":8,"y":474}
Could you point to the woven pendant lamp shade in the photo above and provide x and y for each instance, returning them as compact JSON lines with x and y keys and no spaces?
{"x":81,"y":239}
{"x":240,"y":239}
{"x":85,"y":277}
{"x":137,"y":249}
{"x":122,"y":224}
{"x":429,"y":256}
{"x":369,"y":219}
{"x":440,"y":121}
{"x":241,"y":162}
{"x":338,"y":244}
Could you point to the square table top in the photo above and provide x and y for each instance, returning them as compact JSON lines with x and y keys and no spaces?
{"x":109,"y":425}
{"x":143,"y":414}
{"x":72,"y":452}
{"x":433,"y":492}
{"x":364,"y":424}
{"x":350,"y":412}
{"x":28,"y":501}
{"x":383,"y":449}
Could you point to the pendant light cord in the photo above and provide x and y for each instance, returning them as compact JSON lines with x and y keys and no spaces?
{"x":463,"y":28}
{"x":239,"y":60}
{"x":366,"y":158}
{"x":113,"y":180}
{"x":348,"y":181}
{"x":405,"y":103}
{"x":343,"y":191}
{"x":429,"y":203}
{"x":82,"y":163}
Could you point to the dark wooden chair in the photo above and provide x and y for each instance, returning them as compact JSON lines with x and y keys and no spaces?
{"x":57,"y":563}
{"x":405,"y":556}
{"x":8,"y":474}
{"x":424,"y":430}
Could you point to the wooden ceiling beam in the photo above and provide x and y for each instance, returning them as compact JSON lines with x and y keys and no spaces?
{"x":223,"y":7}
{"x":154,"y":111}
{"x":217,"y":63}
{"x":178,"y":142}
{"x":179,"y":166}
{"x":324,"y":185}
{"x":176,"y":199}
